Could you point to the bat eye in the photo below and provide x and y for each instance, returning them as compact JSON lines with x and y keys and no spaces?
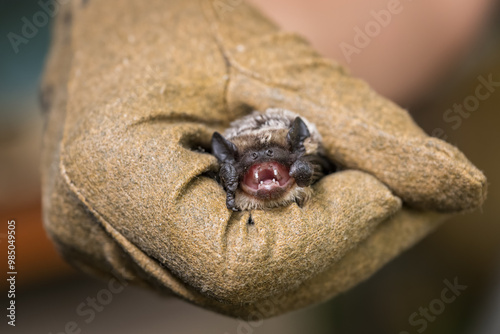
{"x":269,"y":152}
{"x":255,"y":155}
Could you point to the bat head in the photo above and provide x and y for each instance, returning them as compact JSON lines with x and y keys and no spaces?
{"x":267,"y":173}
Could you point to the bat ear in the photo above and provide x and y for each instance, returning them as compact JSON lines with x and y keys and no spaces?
{"x":297,"y":134}
{"x":223,"y":149}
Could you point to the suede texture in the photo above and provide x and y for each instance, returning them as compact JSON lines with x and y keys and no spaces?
{"x":132,"y":91}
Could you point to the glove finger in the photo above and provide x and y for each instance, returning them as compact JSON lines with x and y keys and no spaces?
{"x":389,"y":239}
{"x":361,"y":129}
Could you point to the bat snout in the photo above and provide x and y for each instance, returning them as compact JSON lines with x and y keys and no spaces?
{"x":267,"y":180}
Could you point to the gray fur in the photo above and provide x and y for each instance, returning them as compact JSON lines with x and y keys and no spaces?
{"x":258,"y":123}
{"x":270,"y":128}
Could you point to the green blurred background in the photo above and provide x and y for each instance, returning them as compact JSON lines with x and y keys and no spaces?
{"x":466,"y":248}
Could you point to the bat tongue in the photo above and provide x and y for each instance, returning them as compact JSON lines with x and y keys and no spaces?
{"x":266,"y":176}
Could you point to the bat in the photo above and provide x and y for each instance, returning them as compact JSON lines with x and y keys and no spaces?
{"x":269,"y":159}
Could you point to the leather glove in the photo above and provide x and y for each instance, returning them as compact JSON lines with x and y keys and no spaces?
{"x":133,"y":90}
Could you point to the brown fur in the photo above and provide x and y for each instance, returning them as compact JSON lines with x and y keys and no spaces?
{"x":247,"y":202}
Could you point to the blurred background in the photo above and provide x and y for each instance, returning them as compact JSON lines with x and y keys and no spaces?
{"x":428,"y":56}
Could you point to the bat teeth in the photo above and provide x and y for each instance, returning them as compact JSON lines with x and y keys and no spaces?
{"x":261,"y":182}
{"x":256,"y":176}
{"x":274,"y":180}
{"x":275,"y":171}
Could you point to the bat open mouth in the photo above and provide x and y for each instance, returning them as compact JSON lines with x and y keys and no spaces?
{"x":267,"y":180}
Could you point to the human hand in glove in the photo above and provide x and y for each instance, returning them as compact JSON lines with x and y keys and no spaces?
{"x":133,"y":90}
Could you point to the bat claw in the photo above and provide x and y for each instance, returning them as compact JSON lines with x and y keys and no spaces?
{"x":231,"y":205}
{"x":300,"y":202}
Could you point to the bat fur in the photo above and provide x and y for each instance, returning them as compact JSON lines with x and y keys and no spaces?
{"x":269,"y":159}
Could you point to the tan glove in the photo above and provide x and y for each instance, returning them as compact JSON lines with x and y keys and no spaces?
{"x":133,"y":89}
